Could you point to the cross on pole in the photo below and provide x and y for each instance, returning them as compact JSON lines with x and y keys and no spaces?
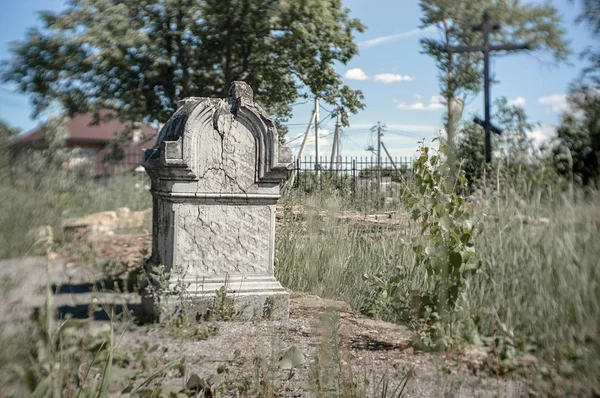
{"x":486,"y":28}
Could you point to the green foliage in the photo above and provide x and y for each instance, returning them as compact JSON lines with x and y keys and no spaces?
{"x":514,"y":144}
{"x":522,"y":167}
{"x":54,"y":362}
{"x":140,"y":58}
{"x":535,"y":294}
{"x":517,"y":162}
{"x":591,"y":16}
{"x":51,"y":197}
{"x":389,"y":171}
{"x":444,"y":249}
{"x":6,"y":134}
{"x":471,"y":151}
{"x":34,"y":165}
{"x":445,"y":219}
{"x":329,"y":186}
{"x":461,"y":75}
{"x":40,"y":190}
{"x":578,"y":154}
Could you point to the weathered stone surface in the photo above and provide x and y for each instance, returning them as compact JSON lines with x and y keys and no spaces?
{"x":215,"y":171}
{"x":214,"y":240}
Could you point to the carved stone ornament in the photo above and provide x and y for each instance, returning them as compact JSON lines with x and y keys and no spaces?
{"x":215,"y":171}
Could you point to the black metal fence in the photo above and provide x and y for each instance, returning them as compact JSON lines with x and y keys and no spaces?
{"x":361,"y":178}
{"x":353,"y":176}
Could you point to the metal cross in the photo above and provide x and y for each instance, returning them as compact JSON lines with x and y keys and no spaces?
{"x":486,"y":27}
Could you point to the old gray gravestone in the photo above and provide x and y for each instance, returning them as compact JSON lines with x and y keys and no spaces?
{"x":215,"y":171}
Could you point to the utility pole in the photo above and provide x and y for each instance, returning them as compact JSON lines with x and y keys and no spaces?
{"x":299,"y":158}
{"x":312,"y":117}
{"x":390,"y":158}
{"x":486,"y":28}
{"x":338,"y":126}
{"x":379,"y":127}
{"x":317,"y":165}
{"x":335,"y":147}
{"x":378,"y":157}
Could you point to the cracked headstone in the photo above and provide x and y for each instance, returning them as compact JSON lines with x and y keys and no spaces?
{"x":216,"y":171}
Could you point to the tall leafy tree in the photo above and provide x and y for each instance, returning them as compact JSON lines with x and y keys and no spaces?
{"x":139,"y":57}
{"x":515,"y":148}
{"x":461,"y":75}
{"x":578,"y":152}
{"x":591,"y":16}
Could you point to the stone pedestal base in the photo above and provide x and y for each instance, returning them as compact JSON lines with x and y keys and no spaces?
{"x":237,"y":298}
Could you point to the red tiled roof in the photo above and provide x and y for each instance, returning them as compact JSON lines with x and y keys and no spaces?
{"x":80,"y":130}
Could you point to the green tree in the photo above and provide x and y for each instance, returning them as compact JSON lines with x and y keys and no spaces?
{"x":6,"y":134}
{"x":461,"y":75}
{"x":515,"y":145}
{"x":578,"y":152}
{"x":591,"y":16}
{"x":515,"y":149}
{"x":36,"y":167}
{"x":471,"y":150}
{"x":139,"y":57}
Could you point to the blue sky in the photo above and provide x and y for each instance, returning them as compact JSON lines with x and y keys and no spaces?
{"x":399,"y":83}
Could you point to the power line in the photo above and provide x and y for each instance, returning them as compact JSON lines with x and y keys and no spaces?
{"x":294,"y":139}
{"x":405,"y":133}
{"x":357,"y":133}
{"x":330,"y":113}
{"x":300,"y":103}
{"x":325,"y":109}
{"x":355,"y":143}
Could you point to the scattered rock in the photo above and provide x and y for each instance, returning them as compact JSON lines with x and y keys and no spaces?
{"x":107,"y":223}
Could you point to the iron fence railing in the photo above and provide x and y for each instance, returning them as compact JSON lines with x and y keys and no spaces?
{"x":356,"y":176}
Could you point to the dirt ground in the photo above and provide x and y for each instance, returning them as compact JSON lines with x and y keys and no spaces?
{"x":332,"y":344}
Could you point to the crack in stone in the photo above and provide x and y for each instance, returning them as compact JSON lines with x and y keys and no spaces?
{"x":221,"y":168}
{"x":204,"y":223}
{"x":228,"y":236}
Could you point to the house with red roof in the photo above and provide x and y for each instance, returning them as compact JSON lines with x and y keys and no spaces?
{"x":92,"y":142}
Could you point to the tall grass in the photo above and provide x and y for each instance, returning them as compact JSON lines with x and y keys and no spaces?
{"x":28,"y":205}
{"x":538,"y":291}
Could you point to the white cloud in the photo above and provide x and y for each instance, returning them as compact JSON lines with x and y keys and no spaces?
{"x":418,"y":96}
{"x":556,"y":102}
{"x":309,"y":149}
{"x":359,"y":74}
{"x":413,"y":128}
{"x":519,"y":101}
{"x":385,"y":39}
{"x":356,"y":74}
{"x":543,"y":133}
{"x":391,"y":78}
{"x":438,"y":99}
{"x":435,"y":103}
